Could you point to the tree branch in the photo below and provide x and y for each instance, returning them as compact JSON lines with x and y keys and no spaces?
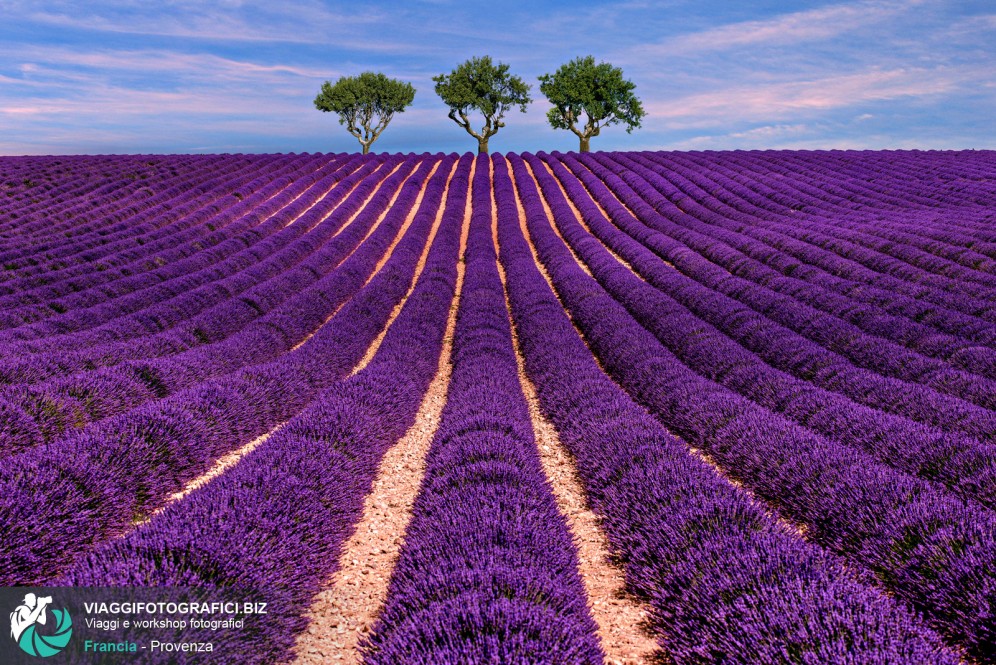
{"x":382,"y":125}
{"x":466,"y":125}
{"x":453,"y":117}
{"x":351,"y":127}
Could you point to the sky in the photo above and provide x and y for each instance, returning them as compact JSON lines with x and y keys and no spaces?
{"x":240,"y":76}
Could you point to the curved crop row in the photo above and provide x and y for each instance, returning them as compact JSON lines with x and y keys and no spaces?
{"x":962,"y":463}
{"x":181,"y":292}
{"x":510,"y":591}
{"x":880,"y":273}
{"x":209,"y":227}
{"x":920,"y":226}
{"x":931,"y":550}
{"x":306,"y":482}
{"x":798,"y":260}
{"x":115,"y":273}
{"x":726,"y":581}
{"x":830,"y":337}
{"x":80,"y":250}
{"x":921,"y":261}
{"x":93,"y":484}
{"x":275,"y":317}
{"x":955,"y":341}
{"x":68,"y":208}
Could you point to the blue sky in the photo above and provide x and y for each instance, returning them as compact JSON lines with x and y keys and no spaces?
{"x":240,"y":76}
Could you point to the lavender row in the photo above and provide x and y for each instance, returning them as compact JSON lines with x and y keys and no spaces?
{"x":79,"y":305}
{"x":181,"y":320}
{"x":908,"y":248}
{"x":725,"y":580}
{"x":119,"y":230}
{"x":89,"y":217}
{"x":863,"y":181}
{"x":70,"y":180}
{"x":33,"y":261}
{"x":487,"y":571}
{"x":205,"y":229}
{"x":937,"y":237}
{"x":192,"y":219}
{"x":880,"y":274}
{"x":270,"y":319}
{"x":274,"y":524}
{"x":167,"y":249}
{"x":839,"y":341}
{"x":918,"y":226}
{"x":819,"y":265}
{"x":181,"y":210}
{"x":76,"y":189}
{"x":180,"y":291}
{"x":905,"y":396}
{"x":71,"y":200}
{"x":718,"y":298}
{"x":803,"y":262}
{"x":21,"y":177}
{"x":960,"y":177}
{"x":193,"y":284}
{"x":62,"y":499}
{"x":932,"y":551}
{"x":963,"y":464}
{"x":890,"y":179}
{"x":744,"y":257}
{"x":685,"y":173}
{"x":129,"y":336}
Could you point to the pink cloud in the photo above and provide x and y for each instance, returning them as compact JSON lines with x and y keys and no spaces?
{"x":807,"y":25}
{"x":786,"y":99}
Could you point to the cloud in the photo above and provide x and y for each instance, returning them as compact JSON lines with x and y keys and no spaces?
{"x":304,"y":22}
{"x":174,"y":93}
{"x":230,"y":21}
{"x":22,"y":110}
{"x":864,"y":142}
{"x":803,"y":26}
{"x":771,"y":131}
{"x":791,"y":98}
{"x":176,"y":64}
{"x":186,"y":75}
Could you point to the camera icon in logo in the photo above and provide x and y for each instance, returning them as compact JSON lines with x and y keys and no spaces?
{"x":32,"y":613}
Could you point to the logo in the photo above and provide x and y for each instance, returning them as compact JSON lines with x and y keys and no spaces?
{"x":25,"y":620}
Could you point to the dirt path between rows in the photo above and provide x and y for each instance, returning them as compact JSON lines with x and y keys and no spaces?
{"x":373,"y":227}
{"x":343,"y":613}
{"x":230,"y":459}
{"x":583,"y":223}
{"x":621,"y":617}
{"x":419,"y":267}
{"x":799,"y":530}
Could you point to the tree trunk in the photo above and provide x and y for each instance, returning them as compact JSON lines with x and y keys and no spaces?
{"x":482,"y":146}
{"x":585,"y":144}
{"x":366,"y":148}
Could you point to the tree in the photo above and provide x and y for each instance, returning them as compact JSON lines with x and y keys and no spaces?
{"x":477,"y":84}
{"x":598,"y":91}
{"x":365,"y":103}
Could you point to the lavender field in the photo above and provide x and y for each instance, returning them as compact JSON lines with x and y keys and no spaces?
{"x":771,"y":376}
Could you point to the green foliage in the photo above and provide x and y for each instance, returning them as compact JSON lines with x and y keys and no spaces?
{"x":599,"y":92}
{"x":365,"y":103}
{"x":480,"y":85}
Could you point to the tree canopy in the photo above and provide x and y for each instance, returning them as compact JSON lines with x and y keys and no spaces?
{"x":480,"y":85}
{"x":365,"y":103}
{"x":599,"y":92}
